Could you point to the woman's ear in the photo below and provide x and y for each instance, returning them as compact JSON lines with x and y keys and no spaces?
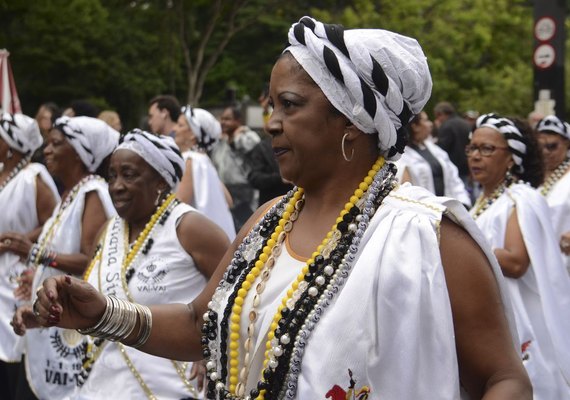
{"x":351,"y":131}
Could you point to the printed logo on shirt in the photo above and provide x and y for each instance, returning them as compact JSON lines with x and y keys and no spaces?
{"x":68,"y":345}
{"x":150,"y":277}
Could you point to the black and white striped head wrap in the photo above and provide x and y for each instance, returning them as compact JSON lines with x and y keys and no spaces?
{"x":160,"y":152}
{"x":91,"y":138}
{"x":514,"y":137}
{"x":204,"y":126}
{"x":378,"y":79}
{"x":20,"y":132}
{"x":555,"y":125}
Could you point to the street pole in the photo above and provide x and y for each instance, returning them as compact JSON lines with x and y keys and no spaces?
{"x":548,"y":56}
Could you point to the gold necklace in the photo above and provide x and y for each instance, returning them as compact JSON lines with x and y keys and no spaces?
{"x":237,"y":385}
{"x":554,"y":177}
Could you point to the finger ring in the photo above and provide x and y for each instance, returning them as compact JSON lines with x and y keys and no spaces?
{"x":7,"y":242}
{"x":35,"y":308}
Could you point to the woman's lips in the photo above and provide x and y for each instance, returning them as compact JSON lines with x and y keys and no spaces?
{"x":278,"y":151}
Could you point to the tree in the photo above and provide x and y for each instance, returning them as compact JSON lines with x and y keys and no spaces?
{"x":479,"y":53}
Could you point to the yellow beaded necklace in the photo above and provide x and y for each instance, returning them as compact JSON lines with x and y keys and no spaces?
{"x":236,"y":387}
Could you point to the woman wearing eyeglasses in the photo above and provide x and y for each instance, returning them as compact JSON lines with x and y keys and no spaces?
{"x":554,"y":139}
{"x":504,"y":158}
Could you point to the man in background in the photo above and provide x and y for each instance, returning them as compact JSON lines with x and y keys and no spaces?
{"x":163,"y":113}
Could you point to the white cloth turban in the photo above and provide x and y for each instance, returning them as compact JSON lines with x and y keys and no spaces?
{"x":555,"y":125}
{"x":204,"y":125}
{"x":91,"y":138}
{"x":514,"y":137}
{"x":160,"y":152}
{"x":378,"y":79}
{"x":20,"y":132}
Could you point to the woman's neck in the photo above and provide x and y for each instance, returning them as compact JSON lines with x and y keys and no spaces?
{"x":10,"y":164}
{"x":72,"y":179}
{"x":136,"y":227}
{"x":488,"y":190}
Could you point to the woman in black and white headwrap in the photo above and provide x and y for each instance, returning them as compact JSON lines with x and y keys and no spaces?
{"x":27,"y":198}
{"x":158,"y":250}
{"x":553,"y":136}
{"x":515,"y":219}
{"x":75,"y":149}
{"x":347,"y":286}
{"x":196,"y":131}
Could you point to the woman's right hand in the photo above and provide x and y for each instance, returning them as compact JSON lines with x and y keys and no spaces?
{"x":69,"y":303}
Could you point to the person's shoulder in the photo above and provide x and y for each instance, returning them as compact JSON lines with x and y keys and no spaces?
{"x":416,"y":199}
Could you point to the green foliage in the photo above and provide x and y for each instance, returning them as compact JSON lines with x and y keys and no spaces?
{"x":479,"y":52}
{"x":121,"y":53}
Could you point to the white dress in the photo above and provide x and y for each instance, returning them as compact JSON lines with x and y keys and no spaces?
{"x":541,"y":297}
{"x":19,"y":214}
{"x":167,"y":274}
{"x":208,"y":195}
{"x":391,"y":323}
{"x":559,"y":202}
{"x":421,"y":174}
{"x":54,"y":355}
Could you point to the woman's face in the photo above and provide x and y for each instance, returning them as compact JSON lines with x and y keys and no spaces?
{"x":489,"y":170}
{"x":183,"y":135}
{"x":133,"y":185}
{"x":306,"y":132}
{"x":60,"y":156}
{"x":422,"y":129}
{"x":43,"y":117}
{"x":554,"y":148}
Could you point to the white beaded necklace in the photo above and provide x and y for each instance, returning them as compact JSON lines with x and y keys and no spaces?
{"x":20,"y":166}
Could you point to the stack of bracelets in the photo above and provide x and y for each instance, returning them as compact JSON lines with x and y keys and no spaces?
{"x":119,"y":321}
{"x":39,"y":255}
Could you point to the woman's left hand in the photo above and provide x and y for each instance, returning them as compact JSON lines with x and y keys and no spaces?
{"x":24,"y":318}
{"x":15,"y":243}
{"x":198,"y":371}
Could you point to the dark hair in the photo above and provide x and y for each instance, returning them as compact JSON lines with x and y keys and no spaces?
{"x":168,"y":103}
{"x":445,"y":108}
{"x":236,"y":112}
{"x":84,"y":108}
{"x":533,"y":162}
{"x":53,"y":109}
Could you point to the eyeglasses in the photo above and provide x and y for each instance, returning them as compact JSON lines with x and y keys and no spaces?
{"x":486,"y":150}
{"x":550,"y":147}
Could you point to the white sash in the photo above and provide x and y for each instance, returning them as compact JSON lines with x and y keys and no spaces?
{"x":108,"y":276}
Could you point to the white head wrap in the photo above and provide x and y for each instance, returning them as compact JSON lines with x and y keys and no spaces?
{"x":204,"y":125}
{"x":555,"y":125}
{"x":378,"y":79}
{"x":20,"y":132}
{"x":160,"y":152}
{"x":91,"y":138}
{"x":514,"y":137}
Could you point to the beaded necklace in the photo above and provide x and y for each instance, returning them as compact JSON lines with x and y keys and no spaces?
{"x":20,"y":166}
{"x":36,"y":256}
{"x":142,"y":245}
{"x":554,"y":177}
{"x":335,"y":253}
{"x":483,"y":202}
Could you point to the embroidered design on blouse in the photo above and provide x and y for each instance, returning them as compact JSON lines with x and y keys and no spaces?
{"x":338,"y":393}
{"x":524,"y":350}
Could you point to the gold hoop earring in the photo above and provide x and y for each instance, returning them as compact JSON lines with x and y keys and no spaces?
{"x":343,"y":149}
